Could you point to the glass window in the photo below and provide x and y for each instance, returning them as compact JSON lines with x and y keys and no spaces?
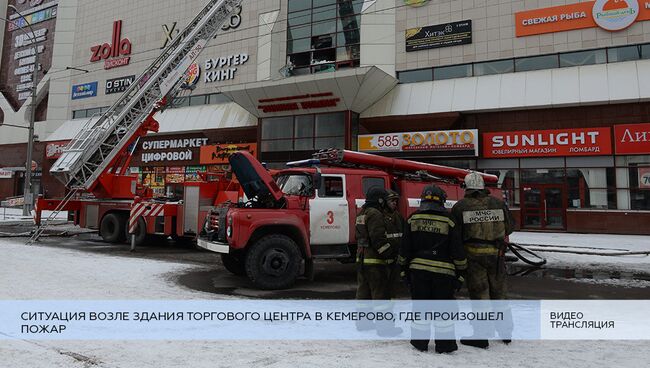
{"x":591,"y":188}
{"x":625,"y":53}
{"x":583,"y":58}
{"x":328,"y":26}
{"x":217,"y":98}
{"x":303,"y":144}
{"x":294,"y":184}
{"x":603,"y":161}
{"x":348,"y":38}
{"x":304,"y":126}
{"x":299,"y":45}
{"x":498,"y":163}
{"x":332,"y":187}
{"x":275,"y":128}
{"x":413,"y":76}
{"x":494,"y":67}
{"x":298,"y":18}
{"x":181,"y":102}
{"x":326,"y":12}
{"x":350,"y":7}
{"x":297,"y":5}
{"x":298,"y":60}
{"x":323,"y":41}
{"x":197,"y":100}
{"x":324,"y":56}
{"x":542,"y":176}
{"x":299,"y":32}
{"x":645,"y":51}
{"x":349,"y":22}
{"x":328,"y":125}
{"x":95,"y":111}
{"x":318,"y":3}
{"x":368,"y":183}
{"x":548,"y":162}
{"x":536,"y":63}
{"x":329,"y":142}
{"x":78,"y":114}
{"x":277,"y":145}
{"x":449,"y":72}
{"x":639,"y":176}
{"x":348,"y":53}
{"x":301,"y":71}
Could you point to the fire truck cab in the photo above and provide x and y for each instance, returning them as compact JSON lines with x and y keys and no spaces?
{"x":301,"y":213}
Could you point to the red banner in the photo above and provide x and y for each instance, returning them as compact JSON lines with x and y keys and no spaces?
{"x":632,"y":139}
{"x":560,"y":142}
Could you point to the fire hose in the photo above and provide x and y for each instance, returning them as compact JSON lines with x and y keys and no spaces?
{"x":517,"y":250}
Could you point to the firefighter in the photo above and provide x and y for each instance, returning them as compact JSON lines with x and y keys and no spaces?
{"x":485,"y":221}
{"x":376,"y":258}
{"x":394,"y":230}
{"x":433,"y":262}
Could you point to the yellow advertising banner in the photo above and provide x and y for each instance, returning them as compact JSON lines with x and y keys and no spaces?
{"x":443,"y":142}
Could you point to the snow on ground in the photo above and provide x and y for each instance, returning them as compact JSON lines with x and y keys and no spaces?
{"x":320,"y":354}
{"x":16,"y":215}
{"x":35,"y":272}
{"x":603,"y":243}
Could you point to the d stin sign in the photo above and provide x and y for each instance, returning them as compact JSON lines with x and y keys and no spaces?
{"x":113,"y":53}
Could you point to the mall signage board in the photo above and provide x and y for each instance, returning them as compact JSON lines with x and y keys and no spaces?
{"x":118,"y":85}
{"x":6,"y":174}
{"x":440,"y":35}
{"x":444,"y":142}
{"x":53,"y":150}
{"x":219,"y":153}
{"x":632,"y":139}
{"x":114,"y":53}
{"x":543,"y":143}
{"x":85,"y":90}
{"x":610,"y":15}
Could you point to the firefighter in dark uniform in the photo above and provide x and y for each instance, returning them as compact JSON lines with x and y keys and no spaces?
{"x":394,"y":230}
{"x":432,"y":259}
{"x":485,"y":221}
{"x":376,"y":258}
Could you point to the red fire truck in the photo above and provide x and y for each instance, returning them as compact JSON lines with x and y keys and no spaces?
{"x":308,"y":211}
{"x":94,"y":165}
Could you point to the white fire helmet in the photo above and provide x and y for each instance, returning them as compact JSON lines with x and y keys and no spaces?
{"x":475,"y":181}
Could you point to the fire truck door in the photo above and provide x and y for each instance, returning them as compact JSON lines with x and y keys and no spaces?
{"x":329,"y":216}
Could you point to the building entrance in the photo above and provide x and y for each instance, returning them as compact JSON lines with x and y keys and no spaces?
{"x":543,"y":206}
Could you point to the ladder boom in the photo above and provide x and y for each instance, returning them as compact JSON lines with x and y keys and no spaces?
{"x":99,"y":143}
{"x":340,"y":157}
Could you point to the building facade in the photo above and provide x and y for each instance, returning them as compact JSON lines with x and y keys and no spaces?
{"x":551,"y":96}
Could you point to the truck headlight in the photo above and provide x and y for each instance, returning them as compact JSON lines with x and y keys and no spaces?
{"x":229,"y":231}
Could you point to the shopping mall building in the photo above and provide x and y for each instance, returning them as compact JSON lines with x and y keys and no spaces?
{"x":551,"y":96}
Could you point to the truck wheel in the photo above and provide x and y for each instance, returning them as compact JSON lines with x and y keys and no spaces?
{"x":233,"y":264}
{"x":273,"y":262}
{"x":111,"y":228}
{"x":140,"y":232}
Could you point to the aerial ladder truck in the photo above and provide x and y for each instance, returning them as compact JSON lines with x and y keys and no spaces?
{"x":307,"y":211}
{"x":94,"y":166}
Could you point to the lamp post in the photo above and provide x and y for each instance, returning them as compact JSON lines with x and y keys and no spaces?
{"x":27,"y":206}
